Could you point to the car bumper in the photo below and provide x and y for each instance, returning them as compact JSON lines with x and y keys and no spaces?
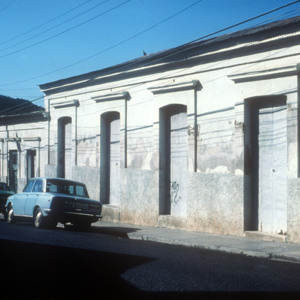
{"x":69,"y":216}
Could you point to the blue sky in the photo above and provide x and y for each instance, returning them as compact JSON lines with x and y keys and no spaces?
{"x":47,"y":40}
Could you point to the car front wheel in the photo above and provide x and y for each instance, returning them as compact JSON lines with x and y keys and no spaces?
{"x":38,"y":218}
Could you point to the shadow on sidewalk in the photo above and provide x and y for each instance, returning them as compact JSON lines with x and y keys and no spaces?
{"x":114,"y":231}
{"x":111,"y":231}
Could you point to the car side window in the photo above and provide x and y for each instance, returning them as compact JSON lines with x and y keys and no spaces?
{"x":28,"y":186}
{"x":38,"y":187}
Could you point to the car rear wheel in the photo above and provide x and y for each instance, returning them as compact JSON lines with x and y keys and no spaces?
{"x":38,"y":218}
{"x":10,"y":216}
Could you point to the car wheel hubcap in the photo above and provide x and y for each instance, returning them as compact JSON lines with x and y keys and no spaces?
{"x":10,"y":215}
{"x":38,"y":218}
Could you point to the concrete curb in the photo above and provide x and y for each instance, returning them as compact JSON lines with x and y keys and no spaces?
{"x":247,"y":246}
{"x":177,"y":242}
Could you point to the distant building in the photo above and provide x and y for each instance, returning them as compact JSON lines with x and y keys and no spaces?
{"x":22,"y":127}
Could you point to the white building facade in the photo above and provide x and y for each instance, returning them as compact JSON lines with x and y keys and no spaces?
{"x":202,"y":137}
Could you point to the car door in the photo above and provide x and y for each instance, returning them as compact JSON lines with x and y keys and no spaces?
{"x":20,"y":199}
{"x":32,"y":197}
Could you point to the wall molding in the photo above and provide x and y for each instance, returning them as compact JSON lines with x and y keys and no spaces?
{"x":176,"y":87}
{"x":265,"y":74}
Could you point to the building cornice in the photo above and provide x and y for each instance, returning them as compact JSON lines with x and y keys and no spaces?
{"x":64,"y":104}
{"x":265,"y":74}
{"x":111,"y":97}
{"x":190,"y":85}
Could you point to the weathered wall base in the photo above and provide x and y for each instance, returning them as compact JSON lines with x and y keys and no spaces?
{"x":110,"y":213}
{"x":139,"y":197}
{"x":293,"y":210}
{"x":216,"y":203}
{"x":171,"y":222}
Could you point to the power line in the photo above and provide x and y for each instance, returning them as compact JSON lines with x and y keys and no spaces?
{"x":65,"y":31}
{"x":243,"y":22}
{"x":55,"y":26}
{"x":111,"y":47}
{"x":45,"y":23}
{"x":6,"y":6}
{"x":178,"y":51}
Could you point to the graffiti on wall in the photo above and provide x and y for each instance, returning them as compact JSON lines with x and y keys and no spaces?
{"x":175,"y":198}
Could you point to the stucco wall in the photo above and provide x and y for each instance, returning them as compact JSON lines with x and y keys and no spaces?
{"x":293,"y":216}
{"x":215,"y":203}
{"x":90,"y":176}
{"x":139,"y":197}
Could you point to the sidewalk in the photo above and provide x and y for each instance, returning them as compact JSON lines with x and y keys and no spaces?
{"x":230,"y":244}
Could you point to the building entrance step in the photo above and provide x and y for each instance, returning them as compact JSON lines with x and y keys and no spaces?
{"x":265,"y":236}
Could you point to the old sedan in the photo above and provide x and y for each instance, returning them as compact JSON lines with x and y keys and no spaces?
{"x":51,"y":200}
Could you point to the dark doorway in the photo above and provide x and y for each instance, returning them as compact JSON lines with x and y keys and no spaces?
{"x":64,"y":148}
{"x":267,"y":135}
{"x":31,"y":162}
{"x":173,"y":149}
{"x":110,"y":158}
{"x":13,"y":170}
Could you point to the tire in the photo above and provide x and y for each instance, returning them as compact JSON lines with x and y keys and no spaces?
{"x":82,"y":226}
{"x":9,"y":216}
{"x":38,"y":219}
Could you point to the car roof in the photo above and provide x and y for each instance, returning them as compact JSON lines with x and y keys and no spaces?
{"x":55,"y":178}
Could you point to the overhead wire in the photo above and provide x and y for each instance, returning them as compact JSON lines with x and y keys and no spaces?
{"x":66,"y":30}
{"x":243,"y":22}
{"x":6,"y":6}
{"x":111,"y":47}
{"x":198,"y":38}
{"x":43,"y":24}
{"x":176,"y":49}
{"x":22,"y":105}
{"x":53,"y":27}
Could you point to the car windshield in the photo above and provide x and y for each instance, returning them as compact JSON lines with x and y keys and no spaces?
{"x":66,"y":187}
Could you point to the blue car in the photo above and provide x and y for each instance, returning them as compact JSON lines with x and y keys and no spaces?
{"x":48,"y":201}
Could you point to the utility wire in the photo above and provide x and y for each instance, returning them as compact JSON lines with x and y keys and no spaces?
{"x":55,"y":26}
{"x":177,"y":49}
{"x":43,"y":24}
{"x":6,"y":6}
{"x":67,"y":30}
{"x":187,"y":43}
{"x":109,"y":48}
{"x":243,"y":22}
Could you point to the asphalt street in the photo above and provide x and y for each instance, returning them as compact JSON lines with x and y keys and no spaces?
{"x":105,"y":264}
